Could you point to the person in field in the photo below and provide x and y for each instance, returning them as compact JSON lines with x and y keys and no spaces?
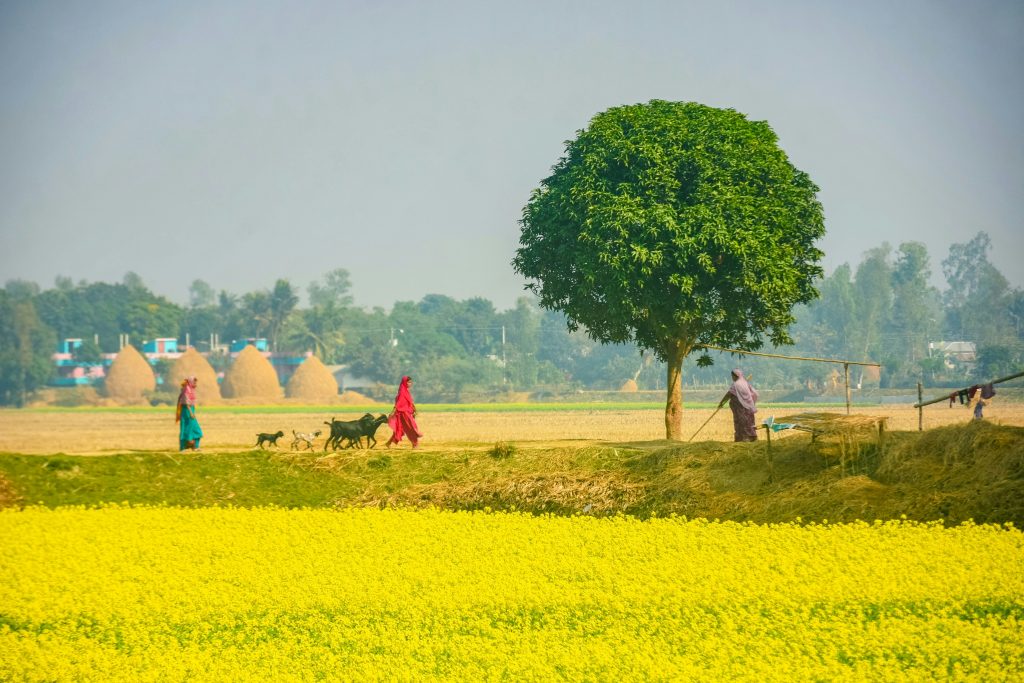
{"x":403,"y":418}
{"x":742,"y":399}
{"x":189,"y":432}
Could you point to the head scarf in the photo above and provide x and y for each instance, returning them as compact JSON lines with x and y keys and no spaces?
{"x":403,"y":400}
{"x":744,"y":394}
{"x":188,"y":391}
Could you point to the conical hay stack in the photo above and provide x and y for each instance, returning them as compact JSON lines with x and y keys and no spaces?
{"x":251,"y":376}
{"x":192,"y":364}
{"x":129,"y":376}
{"x":312,"y":381}
{"x":629,"y":386}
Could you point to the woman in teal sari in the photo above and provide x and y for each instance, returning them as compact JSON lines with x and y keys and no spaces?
{"x":189,"y":432}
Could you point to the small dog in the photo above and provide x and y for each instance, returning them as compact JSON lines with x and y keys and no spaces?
{"x":269,"y":438}
{"x":302,"y":437}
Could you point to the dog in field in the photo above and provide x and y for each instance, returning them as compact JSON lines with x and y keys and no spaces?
{"x":263,"y":437}
{"x":303,"y":437}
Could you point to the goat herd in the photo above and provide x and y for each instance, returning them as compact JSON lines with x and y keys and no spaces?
{"x":342,"y":431}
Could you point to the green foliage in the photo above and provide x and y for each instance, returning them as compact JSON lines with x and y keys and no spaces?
{"x":333,"y":292}
{"x":674,"y":225}
{"x":108,"y":311}
{"x":997,"y":361}
{"x":88,"y":352}
{"x":978,"y":295}
{"x":201,"y":294}
{"x":25,"y":344}
{"x":446,"y":378}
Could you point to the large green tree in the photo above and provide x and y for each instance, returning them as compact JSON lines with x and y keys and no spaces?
{"x":674,"y":225}
{"x":915,"y":307}
{"x":25,"y":347}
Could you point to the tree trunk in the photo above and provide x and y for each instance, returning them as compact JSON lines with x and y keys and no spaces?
{"x":674,"y":402}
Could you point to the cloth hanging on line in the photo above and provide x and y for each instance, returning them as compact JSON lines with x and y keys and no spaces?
{"x":988,"y":391}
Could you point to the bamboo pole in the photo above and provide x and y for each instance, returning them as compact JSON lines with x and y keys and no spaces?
{"x":921,"y":410}
{"x":846,"y":372}
{"x":919,"y":404}
{"x":777,"y":355}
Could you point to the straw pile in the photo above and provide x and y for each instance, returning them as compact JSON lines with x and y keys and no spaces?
{"x":827,"y":424}
{"x":312,"y":381}
{"x":191,"y":364}
{"x":129,"y":377}
{"x":629,"y":386}
{"x":251,"y":376}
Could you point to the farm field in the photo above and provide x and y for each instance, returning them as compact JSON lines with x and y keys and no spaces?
{"x":270,"y":594}
{"x":580,"y":551}
{"x":97,"y":431}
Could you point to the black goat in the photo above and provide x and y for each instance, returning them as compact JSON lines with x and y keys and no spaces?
{"x":370,"y":428}
{"x":353,"y":431}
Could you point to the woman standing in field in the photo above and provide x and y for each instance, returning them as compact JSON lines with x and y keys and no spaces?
{"x":189,"y":431}
{"x":742,"y":400}
{"x":403,"y":418}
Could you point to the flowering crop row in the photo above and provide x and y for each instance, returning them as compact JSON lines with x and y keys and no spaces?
{"x":164,"y":594}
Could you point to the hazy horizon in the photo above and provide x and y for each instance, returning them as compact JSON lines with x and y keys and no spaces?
{"x":245,"y":142}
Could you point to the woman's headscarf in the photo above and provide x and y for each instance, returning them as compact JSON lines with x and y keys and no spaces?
{"x":187,"y":396}
{"x":744,"y":394}
{"x":188,"y":391}
{"x":403,"y":400}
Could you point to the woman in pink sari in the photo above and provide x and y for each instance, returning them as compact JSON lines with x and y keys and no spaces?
{"x":403,"y":418}
{"x":189,"y":431}
{"x":742,"y":400}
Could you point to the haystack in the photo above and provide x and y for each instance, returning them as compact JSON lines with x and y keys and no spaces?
{"x":629,"y":386}
{"x":312,"y":381}
{"x":251,"y":376}
{"x":192,"y":364}
{"x":129,"y":377}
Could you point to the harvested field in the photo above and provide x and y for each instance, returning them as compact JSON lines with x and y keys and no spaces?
{"x":87,"y":431}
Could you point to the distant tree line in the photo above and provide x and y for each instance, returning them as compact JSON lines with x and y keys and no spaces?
{"x":882,"y":309}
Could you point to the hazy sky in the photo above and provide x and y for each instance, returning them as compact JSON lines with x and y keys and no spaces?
{"x":241,"y":142}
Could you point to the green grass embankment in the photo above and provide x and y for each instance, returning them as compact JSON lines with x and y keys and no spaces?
{"x":952,"y":473}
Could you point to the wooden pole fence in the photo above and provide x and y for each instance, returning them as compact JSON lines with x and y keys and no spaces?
{"x":845,"y":363}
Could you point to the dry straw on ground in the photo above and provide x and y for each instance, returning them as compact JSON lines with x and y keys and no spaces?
{"x":129,"y":377}
{"x":629,"y":386}
{"x":312,"y":381}
{"x":251,"y":376}
{"x":191,"y":364}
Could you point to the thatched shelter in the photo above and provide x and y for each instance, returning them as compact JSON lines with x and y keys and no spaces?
{"x":251,"y":376}
{"x":312,"y":381}
{"x":129,"y":377}
{"x":192,"y":364}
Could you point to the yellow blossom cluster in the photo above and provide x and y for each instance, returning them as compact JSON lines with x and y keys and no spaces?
{"x":229,"y":594}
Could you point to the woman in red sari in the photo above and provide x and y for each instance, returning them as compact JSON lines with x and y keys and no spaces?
{"x":403,"y":418}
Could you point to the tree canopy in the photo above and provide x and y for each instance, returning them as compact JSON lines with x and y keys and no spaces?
{"x":674,"y":225}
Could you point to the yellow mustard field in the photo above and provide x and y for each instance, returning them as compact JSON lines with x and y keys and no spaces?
{"x":168,"y":594}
